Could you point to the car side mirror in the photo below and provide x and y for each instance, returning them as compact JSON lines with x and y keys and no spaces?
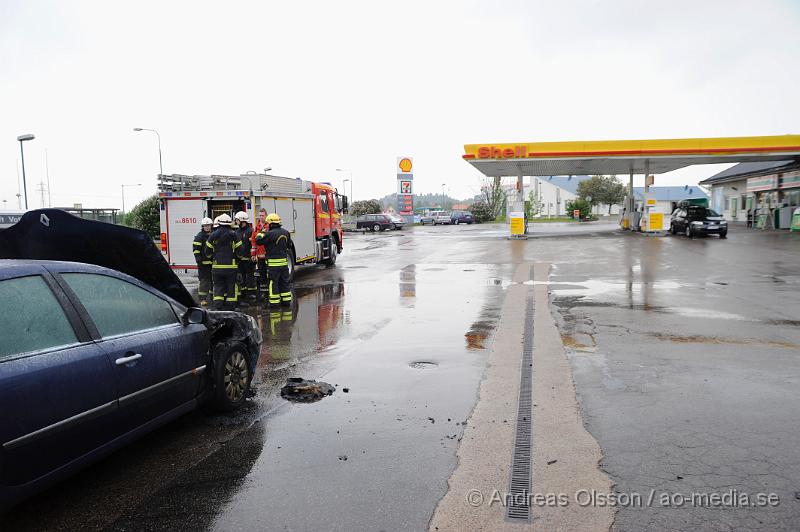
{"x":194,"y":316}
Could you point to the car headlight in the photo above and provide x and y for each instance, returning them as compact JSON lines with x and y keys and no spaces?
{"x":724,"y":222}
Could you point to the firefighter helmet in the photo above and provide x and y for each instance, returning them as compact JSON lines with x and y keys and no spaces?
{"x":216,"y":221}
{"x":273,"y":218}
{"x":241,"y":216}
{"x":224,"y":219}
{"x":206,"y":221}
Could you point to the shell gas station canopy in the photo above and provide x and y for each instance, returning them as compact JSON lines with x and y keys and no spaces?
{"x":624,"y":156}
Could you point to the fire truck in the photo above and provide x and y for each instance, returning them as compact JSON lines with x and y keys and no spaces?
{"x":310,"y":211}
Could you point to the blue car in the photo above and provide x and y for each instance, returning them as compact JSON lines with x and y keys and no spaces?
{"x":92,"y":359}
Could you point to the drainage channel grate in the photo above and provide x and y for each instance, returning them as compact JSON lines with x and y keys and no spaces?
{"x":518,"y":508}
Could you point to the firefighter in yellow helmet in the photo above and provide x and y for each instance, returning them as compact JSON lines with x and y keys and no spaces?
{"x":277,"y":243}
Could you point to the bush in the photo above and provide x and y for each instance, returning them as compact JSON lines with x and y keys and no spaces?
{"x":481,"y":212}
{"x":579,"y":205}
{"x":146,"y":216}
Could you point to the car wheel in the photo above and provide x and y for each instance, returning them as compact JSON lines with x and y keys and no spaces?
{"x":232,"y":375}
{"x":334,"y":253}
{"x":723,"y":234}
{"x":672,"y":229}
{"x":376,"y":228}
{"x":455,"y":223}
{"x":688,"y":231}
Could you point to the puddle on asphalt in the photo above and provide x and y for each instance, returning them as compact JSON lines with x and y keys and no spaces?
{"x":571,"y":342}
{"x":699,"y":339}
{"x":595,"y":287}
{"x":688,"y":312}
{"x":299,"y":390}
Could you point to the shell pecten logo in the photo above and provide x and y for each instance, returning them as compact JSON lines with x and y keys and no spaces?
{"x":405,"y":165}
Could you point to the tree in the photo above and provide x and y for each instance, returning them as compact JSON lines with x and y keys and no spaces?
{"x":600,"y":189}
{"x":481,"y":212}
{"x":581,"y":205}
{"x":359,"y":208}
{"x":493,"y":196}
{"x":146,"y":216}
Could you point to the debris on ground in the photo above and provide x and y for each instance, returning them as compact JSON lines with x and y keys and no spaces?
{"x":300,"y":390}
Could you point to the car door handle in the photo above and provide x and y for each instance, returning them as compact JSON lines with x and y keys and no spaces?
{"x":124,"y":360}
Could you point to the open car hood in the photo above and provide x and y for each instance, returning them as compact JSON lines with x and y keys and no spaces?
{"x":53,"y":234}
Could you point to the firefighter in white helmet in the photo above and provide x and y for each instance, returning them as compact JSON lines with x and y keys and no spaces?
{"x":223,"y":245}
{"x":244,"y":233}
{"x":203,"y":258}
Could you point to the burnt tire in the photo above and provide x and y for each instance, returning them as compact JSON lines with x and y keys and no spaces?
{"x":232,"y":375}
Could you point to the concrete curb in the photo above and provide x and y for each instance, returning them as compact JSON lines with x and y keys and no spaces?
{"x":565,"y":456}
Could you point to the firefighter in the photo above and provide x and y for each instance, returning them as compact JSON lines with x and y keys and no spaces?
{"x":258,"y":254}
{"x":203,"y":257}
{"x":244,"y":233}
{"x":223,"y":245}
{"x":276,"y":244}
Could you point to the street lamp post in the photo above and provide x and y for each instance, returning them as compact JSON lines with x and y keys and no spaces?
{"x":160,"y":162}
{"x":123,"y":196}
{"x":443,"y":185}
{"x":351,"y":183}
{"x":21,"y":139}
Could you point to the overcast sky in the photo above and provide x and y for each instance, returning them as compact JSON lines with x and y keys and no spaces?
{"x":308,"y":87}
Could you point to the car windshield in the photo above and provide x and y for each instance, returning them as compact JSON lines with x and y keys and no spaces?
{"x":701,"y":212}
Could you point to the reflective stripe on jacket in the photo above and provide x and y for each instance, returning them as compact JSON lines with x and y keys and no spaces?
{"x":223,"y":245}
{"x":244,"y":236}
{"x":201,"y":252}
{"x":276,"y":243}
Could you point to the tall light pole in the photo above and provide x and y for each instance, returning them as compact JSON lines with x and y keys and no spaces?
{"x":123,"y":196}
{"x":351,"y":183}
{"x":160,"y":163}
{"x":21,"y":139}
{"x":443,"y":185}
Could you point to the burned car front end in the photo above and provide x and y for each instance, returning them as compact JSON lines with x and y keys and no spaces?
{"x":234,"y":339}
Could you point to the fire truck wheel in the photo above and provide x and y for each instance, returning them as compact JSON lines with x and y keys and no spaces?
{"x":334,"y":253}
{"x":291,"y":264}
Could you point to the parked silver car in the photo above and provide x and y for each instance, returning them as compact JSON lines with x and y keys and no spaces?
{"x":436,"y":217}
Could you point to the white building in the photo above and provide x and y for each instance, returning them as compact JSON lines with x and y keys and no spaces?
{"x":554,"y":192}
{"x":667,"y":198}
{"x":773,"y":185}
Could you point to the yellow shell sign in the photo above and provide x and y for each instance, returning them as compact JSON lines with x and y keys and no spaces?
{"x":405,"y":165}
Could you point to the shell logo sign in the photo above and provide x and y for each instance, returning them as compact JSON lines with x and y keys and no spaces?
{"x":405,"y":165}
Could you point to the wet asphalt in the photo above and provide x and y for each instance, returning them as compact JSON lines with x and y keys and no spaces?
{"x":686,"y":359}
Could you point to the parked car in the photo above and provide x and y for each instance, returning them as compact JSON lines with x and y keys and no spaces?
{"x":461,"y":217}
{"x":436,"y":217}
{"x":375,"y":222}
{"x":693,"y":220}
{"x":93,"y":358}
{"x":398,"y":221}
